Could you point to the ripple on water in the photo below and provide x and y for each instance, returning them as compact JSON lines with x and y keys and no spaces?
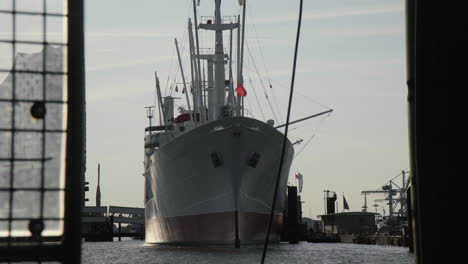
{"x":134,"y":251}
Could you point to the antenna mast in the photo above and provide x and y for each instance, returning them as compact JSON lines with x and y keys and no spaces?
{"x":149,"y":113}
{"x":98,"y":189}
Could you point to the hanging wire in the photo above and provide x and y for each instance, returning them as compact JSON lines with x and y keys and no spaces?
{"x":312,"y":137}
{"x":257,"y":39}
{"x":262,"y":85}
{"x":247,"y":101}
{"x":285,"y":138}
{"x":275,"y":102}
{"x":168,"y":82}
{"x":315,"y":101}
{"x":174,"y":66}
{"x":258,"y":102}
{"x":176,"y":76}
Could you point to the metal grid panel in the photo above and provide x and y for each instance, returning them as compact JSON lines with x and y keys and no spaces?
{"x":33,"y":127}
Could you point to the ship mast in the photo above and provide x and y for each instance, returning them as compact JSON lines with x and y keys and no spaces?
{"x":220,"y":86}
{"x":241,"y":76}
{"x":184,"y":83}
{"x":196,"y":95}
{"x":218,"y":98}
{"x":238,"y":106}
{"x":198,"y":66}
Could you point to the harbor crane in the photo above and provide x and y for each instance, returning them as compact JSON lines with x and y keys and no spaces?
{"x":391,"y":189}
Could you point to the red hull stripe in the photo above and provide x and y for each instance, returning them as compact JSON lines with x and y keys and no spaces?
{"x":215,"y":228}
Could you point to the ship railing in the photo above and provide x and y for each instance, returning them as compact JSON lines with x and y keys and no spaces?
{"x":209,"y":51}
{"x":224,"y":19}
{"x":159,"y":129}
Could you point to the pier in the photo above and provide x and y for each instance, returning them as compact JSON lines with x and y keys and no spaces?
{"x":103,"y":223}
{"x":358,"y":227}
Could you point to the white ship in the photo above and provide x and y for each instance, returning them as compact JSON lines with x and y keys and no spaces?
{"x":210,"y":172}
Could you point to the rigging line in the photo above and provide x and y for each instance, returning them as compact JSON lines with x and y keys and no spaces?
{"x":247,"y":101}
{"x":183,"y":45}
{"x":257,"y":39}
{"x":258,"y":102}
{"x":189,"y":8}
{"x":170,"y":71}
{"x":304,"y":95}
{"x":275,"y":102}
{"x":263,"y":85}
{"x":169,"y":75}
{"x":315,"y":101}
{"x":250,"y":105}
{"x":249,"y":113}
{"x":304,"y":146}
{"x":285,"y":138}
{"x":291,"y":129}
{"x":254,"y":26}
{"x":172,"y":68}
{"x":188,"y":65}
{"x":313,"y":135}
{"x":174,"y":81}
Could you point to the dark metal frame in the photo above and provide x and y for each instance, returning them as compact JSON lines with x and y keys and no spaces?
{"x":426,"y":81}
{"x":66,"y":249}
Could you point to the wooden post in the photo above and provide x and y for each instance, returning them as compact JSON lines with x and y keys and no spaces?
{"x":120,"y":231}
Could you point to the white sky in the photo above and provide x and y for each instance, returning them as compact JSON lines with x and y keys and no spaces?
{"x":351,"y":59}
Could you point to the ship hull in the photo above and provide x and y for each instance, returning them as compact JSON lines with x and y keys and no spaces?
{"x":215,"y":184}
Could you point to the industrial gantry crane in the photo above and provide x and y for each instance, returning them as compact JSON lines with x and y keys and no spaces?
{"x":391,"y":189}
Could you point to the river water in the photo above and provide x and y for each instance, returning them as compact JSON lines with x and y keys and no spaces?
{"x":135,"y":251}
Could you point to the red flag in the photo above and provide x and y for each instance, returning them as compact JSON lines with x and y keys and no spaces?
{"x":241,"y":90}
{"x":183,"y":90}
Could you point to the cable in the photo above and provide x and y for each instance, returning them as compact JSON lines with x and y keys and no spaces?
{"x":285,"y":138}
{"x":266,"y":69}
{"x":168,"y":82}
{"x":262,"y":85}
{"x":313,"y":100}
{"x":312,"y":137}
{"x":258,"y":102}
{"x":172,"y":84}
{"x":249,"y":105}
